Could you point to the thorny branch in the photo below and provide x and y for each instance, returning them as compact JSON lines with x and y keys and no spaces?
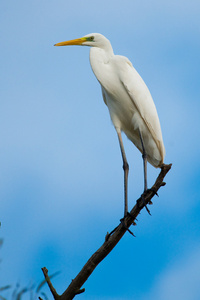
{"x":111,"y":241}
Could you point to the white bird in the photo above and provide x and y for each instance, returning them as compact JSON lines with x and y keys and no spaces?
{"x":129,"y":101}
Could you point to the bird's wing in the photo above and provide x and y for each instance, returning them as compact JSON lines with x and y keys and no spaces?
{"x":141,"y":98}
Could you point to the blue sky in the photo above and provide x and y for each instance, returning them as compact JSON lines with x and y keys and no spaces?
{"x":61,"y":179}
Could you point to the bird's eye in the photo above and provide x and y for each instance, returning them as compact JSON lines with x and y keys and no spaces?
{"x":92,"y":38}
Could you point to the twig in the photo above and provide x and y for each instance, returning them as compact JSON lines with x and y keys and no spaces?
{"x":52,"y":289}
{"x":110,"y":241}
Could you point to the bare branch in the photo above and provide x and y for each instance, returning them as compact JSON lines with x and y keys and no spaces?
{"x":111,"y":241}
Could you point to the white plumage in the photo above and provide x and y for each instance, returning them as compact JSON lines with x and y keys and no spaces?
{"x":128,"y":99}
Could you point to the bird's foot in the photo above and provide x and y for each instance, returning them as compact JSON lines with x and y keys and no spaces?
{"x":143,"y":204}
{"x":152,"y":190}
{"x":123,"y":223}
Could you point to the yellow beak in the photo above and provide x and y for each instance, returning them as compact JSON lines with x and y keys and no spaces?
{"x":72,"y":42}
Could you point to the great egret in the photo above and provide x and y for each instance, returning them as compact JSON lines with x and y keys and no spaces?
{"x":129,"y":101}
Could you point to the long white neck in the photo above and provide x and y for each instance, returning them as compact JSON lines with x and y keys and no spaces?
{"x":99,"y":59}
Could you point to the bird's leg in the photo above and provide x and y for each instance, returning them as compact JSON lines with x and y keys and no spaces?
{"x":126,"y":170}
{"x":144,"y":156}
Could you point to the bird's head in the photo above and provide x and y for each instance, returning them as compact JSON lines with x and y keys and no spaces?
{"x":92,"y":39}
